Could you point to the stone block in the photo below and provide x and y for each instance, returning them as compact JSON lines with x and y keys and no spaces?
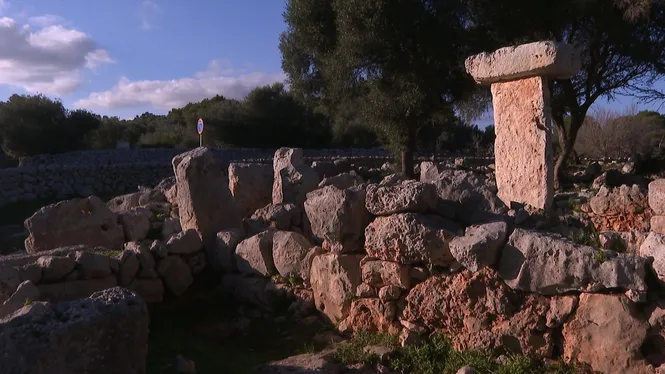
{"x":538,"y":59}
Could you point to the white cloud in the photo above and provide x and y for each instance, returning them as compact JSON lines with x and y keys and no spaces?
{"x":45,"y":20}
{"x":49,"y":60}
{"x":218,"y":79}
{"x":149,"y":11}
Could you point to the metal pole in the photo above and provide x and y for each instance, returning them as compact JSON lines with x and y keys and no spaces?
{"x":200,"y":140}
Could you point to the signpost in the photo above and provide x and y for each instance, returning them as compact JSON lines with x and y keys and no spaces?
{"x":199,"y":129}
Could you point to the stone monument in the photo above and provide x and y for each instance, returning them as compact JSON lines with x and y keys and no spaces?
{"x":523,"y":152}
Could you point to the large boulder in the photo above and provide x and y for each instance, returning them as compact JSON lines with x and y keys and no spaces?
{"x":289,"y":250}
{"x":654,"y":247}
{"x":86,"y":221}
{"x":480,"y":245}
{"x":620,"y":200}
{"x":278,"y":216}
{"x":204,"y":200}
{"x":411,"y":239}
{"x":550,"y":264}
{"x":135,"y":223}
{"x":478,"y":311}
{"x":401,"y":197}
{"x":607,"y":332}
{"x":254,"y":255}
{"x":657,"y":196}
{"x":106,"y":334}
{"x":126,"y":202}
{"x":472,"y":194}
{"x":251,"y":186}
{"x":222,"y":256}
{"x":292,"y":178}
{"x":338,"y":217}
{"x":334,"y":280}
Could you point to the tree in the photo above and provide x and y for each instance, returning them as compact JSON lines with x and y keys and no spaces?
{"x":622,"y":50}
{"x":396,"y":62}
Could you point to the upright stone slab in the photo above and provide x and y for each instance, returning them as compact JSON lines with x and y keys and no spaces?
{"x":519,"y":75}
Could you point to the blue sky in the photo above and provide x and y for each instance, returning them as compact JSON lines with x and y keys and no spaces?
{"x":125,"y":57}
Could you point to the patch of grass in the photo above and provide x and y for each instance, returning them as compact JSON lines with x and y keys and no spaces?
{"x":27,"y":302}
{"x":600,"y":256}
{"x":108,"y":253}
{"x":437,"y":356}
{"x":353,"y":352}
{"x":575,"y":205}
{"x":586,"y":236}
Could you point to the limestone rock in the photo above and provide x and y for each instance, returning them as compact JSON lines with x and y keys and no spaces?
{"x":278,"y":216}
{"x":135,"y":223}
{"x":292,"y":178}
{"x":306,"y":263}
{"x":145,"y":257}
{"x":480,"y":245}
{"x":544,"y":58}
{"x":343,"y":181}
{"x":411,"y":238}
{"x":621,"y":200}
{"x":204,"y":200}
{"x":289,"y":250}
{"x":25,"y":294}
{"x":222,"y":256}
{"x":524,"y":157}
{"x":401,"y":197}
{"x":561,"y":307}
{"x":377,"y":273}
{"x":254,"y":255}
{"x":334,"y":279}
{"x":478,"y":311}
{"x":658,"y":224}
{"x":184,"y":243}
{"x":654,"y":246}
{"x":550,"y":264}
{"x":247,"y":289}
{"x":607,"y":333}
{"x":471,"y":195}
{"x":78,"y":221}
{"x":373,"y":315}
{"x":176,"y":274}
{"x":251,"y":186}
{"x":92,"y":265}
{"x":106,"y":334}
{"x":55,"y":268}
{"x":129,"y":267}
{"x":338,"y":217}
{"x":657,"y":196}
{"x":307,"y":363}
{"x":170,"y":227}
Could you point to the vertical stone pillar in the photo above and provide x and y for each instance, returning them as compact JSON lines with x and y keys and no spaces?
{"x":523,"y":152}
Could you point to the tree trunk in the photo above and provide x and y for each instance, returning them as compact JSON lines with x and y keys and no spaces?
{"x":409,"y":148}
{"x":567,"y":149}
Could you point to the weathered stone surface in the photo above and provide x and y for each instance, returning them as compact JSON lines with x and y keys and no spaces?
{"x":92,"y":265}
{"x":135,"y":223}
{"x":471,"y":195}
{"x":334,"y":279}
{"x":389,"y":293}
{"x":307,"y":363}
{"x":254,"y":255}
{"x":184,"y":243}
{"x":343,"y":181}
{"x":222,"y":256}
{"x":537,"y":59}
{"x":654,"y":246}
{"x":145,"y":257}
{"x":338,"y":217}
{"x":480,"y":245}
{"x":411,"y":238}
{"x":478,"y":311}
{"x":54,"y":268}
{"x":25,"y":294}
{"x":106,"y":334}
{"x":371,"y":315}
{"x":523,"y":145}
{"x":561,"y":307}
{"x":292,"y":178}
{"x":251,"y":186}
{"x":74,"y":289}
{"x":620,"y":200}
{"x":377,"y":273}
{"x":607,"y":333}
{"x":204,"y":200}
{"x":278,"y":216}
{"x":176,"y":274}
{"x":550,"y":264}
{"x":657,"y":196}
{"x":658,"y":224}
{"x":401,"y":197}
{"x":289,"y":250}
{"x":129,"y":267}
{"x":306,"y":263}
{"x":78,"y":221}
{"x":247,"y":289}
{"x":170,"y":226}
